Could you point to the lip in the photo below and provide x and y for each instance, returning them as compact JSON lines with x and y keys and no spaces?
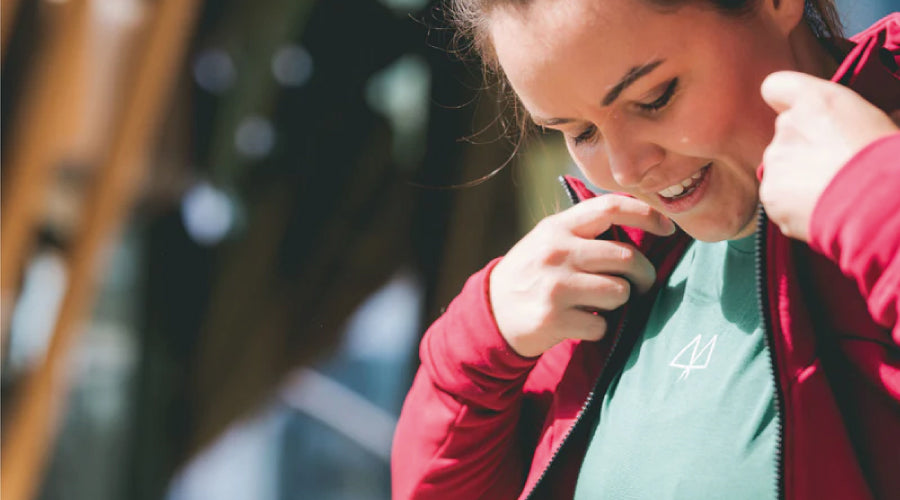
{"x":690,"y":201}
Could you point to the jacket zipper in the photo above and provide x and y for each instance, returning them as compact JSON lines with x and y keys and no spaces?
{"x":591,"y":397}
{"x":762,"y":294}
{"x":588,"y":403}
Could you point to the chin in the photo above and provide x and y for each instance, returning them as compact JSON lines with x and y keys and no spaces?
{"x":712,"y":232}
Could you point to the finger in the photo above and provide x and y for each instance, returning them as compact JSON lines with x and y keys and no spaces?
{"x":594,"y":292}
{"x":579,"y":323}
{"x":783,"y":89}
{"x":592,"y":217}
{"x":616,"y":258}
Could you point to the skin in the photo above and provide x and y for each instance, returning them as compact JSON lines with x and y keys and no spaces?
{"x":820,"y":126}
{"x":562,"y":59}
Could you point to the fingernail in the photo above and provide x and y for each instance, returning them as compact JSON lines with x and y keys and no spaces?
{"x":672,"y":226}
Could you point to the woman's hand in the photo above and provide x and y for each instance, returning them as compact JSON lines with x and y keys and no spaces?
{"x":820,"y":126}
{"x":553,"y":283}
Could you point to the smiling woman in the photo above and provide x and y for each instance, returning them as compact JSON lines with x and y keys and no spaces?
{"x":655,"y":112}
{"x":562,"y":369}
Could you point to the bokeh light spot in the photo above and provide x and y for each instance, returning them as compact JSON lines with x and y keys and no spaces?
{"x":214,"y":71}
{"x":292,"y":66}
{"x":255,"y":137}
{"x":207,"y":213}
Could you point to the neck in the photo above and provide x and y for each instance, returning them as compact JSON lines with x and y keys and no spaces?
{"x":811,"y":54}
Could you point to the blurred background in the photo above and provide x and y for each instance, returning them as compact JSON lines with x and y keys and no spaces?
{"x":226,"y":224}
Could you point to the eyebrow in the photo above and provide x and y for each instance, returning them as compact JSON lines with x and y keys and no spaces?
{"x":631,"y":76}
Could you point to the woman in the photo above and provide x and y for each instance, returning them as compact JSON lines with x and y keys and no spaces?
{"x":694,"y":349}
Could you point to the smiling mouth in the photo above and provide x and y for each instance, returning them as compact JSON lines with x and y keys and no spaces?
{"x":685,"y":187}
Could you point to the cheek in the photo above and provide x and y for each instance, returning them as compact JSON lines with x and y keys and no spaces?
{"x":730,"y":121}
{"x":705,"y":128}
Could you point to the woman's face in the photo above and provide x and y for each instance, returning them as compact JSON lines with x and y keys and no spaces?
{"x":651,"y":101}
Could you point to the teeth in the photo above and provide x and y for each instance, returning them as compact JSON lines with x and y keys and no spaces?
{"x":677,"y":189}
{"x":673,"y":190}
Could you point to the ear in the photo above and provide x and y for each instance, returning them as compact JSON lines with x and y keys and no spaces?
{"x":787,"y":14}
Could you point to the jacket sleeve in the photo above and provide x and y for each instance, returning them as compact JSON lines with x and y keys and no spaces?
{"x":456,"y":437}
{"x":856,"y":223}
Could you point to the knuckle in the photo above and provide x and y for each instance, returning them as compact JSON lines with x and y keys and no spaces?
{"x":617,"y":290}
{"x":608,"y":204}
{"x":828,"y":98}
{"x":627,"y":256}
{"x":783,"y":121}
{"x":776,"y":154}
{"x":622,"y":288}
{"x":555,"y":290}
{"x":645,"y":210}
{"x":786,"y":229}
{"x":551,"y":254}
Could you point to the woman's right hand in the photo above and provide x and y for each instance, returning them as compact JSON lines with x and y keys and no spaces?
{"x":554,"y":281}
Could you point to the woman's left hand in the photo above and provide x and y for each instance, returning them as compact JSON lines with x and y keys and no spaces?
{"x":820,"y":126}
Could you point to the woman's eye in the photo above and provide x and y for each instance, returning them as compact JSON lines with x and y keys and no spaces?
{"x":586,"y":135}
{"x":661,"y":101}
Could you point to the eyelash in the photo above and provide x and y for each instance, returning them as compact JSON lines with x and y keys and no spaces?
{"x":662,"y":100}
{"x":584,"y":136}
{"x":652,"y":107}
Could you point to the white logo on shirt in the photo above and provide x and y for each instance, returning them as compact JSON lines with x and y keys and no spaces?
{"x":697,"y":359}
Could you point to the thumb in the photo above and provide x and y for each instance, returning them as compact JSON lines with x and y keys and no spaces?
{"x":781,"y":90}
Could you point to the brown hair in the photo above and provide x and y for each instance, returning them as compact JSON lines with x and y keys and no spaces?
{"x":469,"y":19}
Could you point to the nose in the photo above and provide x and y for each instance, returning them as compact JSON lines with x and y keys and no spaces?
{"x":630,"y":156}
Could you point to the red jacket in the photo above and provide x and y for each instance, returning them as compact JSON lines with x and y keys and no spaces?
{"x":483,"y":422}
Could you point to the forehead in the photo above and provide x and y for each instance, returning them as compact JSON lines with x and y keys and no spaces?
{"x":551,"y":49}
{"x":535,"y":30}
{"x":541,"y":21}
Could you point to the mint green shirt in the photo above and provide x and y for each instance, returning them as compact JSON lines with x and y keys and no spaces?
{"x":692,"y":415}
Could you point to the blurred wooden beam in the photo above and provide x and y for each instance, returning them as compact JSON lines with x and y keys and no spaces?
{"x":8,"y":11}
{"x":34,"y":420}
{"x":37,"y":141}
